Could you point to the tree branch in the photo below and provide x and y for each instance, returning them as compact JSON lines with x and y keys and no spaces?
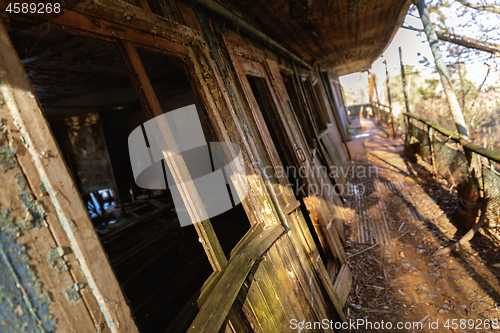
{"x":485,"y":8}
{"x":464,"y":41}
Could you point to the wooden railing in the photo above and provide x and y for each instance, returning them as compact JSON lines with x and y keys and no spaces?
{"x":466,"y":165}
{"x":473,"y":147}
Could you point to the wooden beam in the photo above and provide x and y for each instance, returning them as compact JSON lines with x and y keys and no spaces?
{"x":488,"y":153}
{"x":19,"y":95}
{"x":125,"y":14}
{"x":112,"y":29}
{"x":175,"y":162}
{"x":217,"y":306}
{"x":343,"y":283}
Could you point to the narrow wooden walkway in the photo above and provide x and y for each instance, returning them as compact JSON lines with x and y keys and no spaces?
{"x":399,"y":216}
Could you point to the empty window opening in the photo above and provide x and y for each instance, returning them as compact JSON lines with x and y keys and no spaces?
{"x":311,"y":97}
{"x":305,"y":122}
{"x":91,"y":106}
{"x":279,"y":137}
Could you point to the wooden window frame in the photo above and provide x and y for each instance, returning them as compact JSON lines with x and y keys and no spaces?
{"x":109,"y":24}
{"x":238,"y":50}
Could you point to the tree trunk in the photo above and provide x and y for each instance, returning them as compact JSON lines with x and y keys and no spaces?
{"x":456,"y":111}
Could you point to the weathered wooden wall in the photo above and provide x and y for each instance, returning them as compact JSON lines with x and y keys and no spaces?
{"x":290,"y":265}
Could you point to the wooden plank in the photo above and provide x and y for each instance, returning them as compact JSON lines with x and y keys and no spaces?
{"x":276,"y":298}
{"x":175,"y":162}
{"x":343,"y":283}
{"x":256,"y":304}
{"x":335,"y":243}
{"x":285,"y":274}
{"x":306,"y":276}
{"x":187,"y":15}
{"x":72,"y":215}
{"x":137,"y":19}
{"x":291,"y":206}
{"x":318,"y":265}
{"x":318,"y":228}
{"x":36,"y":243}
{"x":60,"y":239}
{"x":218,"y":304}
{"x":88,"y":25}
{"x":254,"y":231}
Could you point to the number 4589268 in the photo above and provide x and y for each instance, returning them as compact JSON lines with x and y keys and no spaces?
{"x":477,"y":324}
{"x":33,"y":8}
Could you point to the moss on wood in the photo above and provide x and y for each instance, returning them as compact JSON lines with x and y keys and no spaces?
{"x":7,"y":158}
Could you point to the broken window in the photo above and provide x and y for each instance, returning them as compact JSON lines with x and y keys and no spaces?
{"x":311,"y":97}
{"x":282,"y":144}
{"x":92,"y":107}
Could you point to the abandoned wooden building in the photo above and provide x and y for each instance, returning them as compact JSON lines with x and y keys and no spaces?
{"x":84,"y":248}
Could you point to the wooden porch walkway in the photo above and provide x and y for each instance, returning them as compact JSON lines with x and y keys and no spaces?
{"x":399,"y":216}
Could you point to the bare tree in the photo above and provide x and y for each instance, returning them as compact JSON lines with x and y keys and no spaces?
{"x":483,"y":7}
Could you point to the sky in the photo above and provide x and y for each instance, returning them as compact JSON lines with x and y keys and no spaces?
{"x":413,"y":43}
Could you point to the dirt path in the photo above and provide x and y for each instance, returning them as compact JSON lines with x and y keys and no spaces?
{"x":408,"y":215}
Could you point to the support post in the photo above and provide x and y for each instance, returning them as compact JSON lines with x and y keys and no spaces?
{"x":456,"y":111}
{"x":405,"y":90}
{"x":379,"y":109}
{"x":430,"y":132}
{"x":175,"y":163}
{"x":389,"y":100}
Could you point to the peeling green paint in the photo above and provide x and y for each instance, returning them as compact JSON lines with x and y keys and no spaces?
{"x":3,"y":129}
{"x":67,"y":224}
{"x":56,"y":253}
{"x":24,"y":225}
{"x":25,"y":140}
{"x":6,"y":221}
{"x":20,"y":180}
{"x":72,"y":292}
{"x":43,"y":188}
{"x":26,"y":197}
{"x":35,"y":207}
{"x":61,"y":267}
{"x":23,"y":302}
{"x":6,"y":158}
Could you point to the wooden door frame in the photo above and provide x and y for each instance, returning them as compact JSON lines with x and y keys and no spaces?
{"x":62,"y":190}
{"x":237,"y":51}
{"x":109,"y":24}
